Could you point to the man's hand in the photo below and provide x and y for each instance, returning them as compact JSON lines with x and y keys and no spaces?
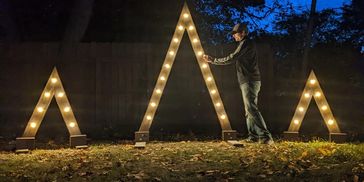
{"x":207,"y":58}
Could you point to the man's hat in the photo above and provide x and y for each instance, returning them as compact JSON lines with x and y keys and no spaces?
{"x":240,"y":27}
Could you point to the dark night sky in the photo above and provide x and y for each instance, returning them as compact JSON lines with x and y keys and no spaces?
{"x":40,"y":21}
{"x":305,"y":5}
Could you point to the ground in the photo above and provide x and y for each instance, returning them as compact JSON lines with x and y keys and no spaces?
{"x":189,"y":161}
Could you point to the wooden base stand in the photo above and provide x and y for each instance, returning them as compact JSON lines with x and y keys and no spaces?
{"x":78,"y":141}
{"x":24,"y":144}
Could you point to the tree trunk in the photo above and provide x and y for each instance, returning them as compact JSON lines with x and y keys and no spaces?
{"x":77,"y":25}
{"x":307,"y":43}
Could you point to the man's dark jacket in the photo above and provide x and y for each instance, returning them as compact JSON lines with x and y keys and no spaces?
{"x":245,"y":56}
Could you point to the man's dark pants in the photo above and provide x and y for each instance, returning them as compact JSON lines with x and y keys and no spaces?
{"x":257,"y":128}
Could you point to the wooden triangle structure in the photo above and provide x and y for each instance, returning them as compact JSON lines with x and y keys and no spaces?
{"x":185,"y":22}
{"x":313,"y":90}
{"x":53,"y":88}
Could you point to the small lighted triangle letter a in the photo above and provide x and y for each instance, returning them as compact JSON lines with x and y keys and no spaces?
{"x":53,"y":88}
{"x":185,"y":22}
{"x":313,"y":90}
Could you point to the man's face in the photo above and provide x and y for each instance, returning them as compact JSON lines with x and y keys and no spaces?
{"x":239,"y":36}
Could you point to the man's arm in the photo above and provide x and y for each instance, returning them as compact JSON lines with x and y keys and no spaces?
{"x":230,"y":58}
{"x":224,"y":60}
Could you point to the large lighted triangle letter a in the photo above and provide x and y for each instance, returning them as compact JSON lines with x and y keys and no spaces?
{"x":185,"y":23}
{"x":313,"y":89}
{"x":53,"y":88}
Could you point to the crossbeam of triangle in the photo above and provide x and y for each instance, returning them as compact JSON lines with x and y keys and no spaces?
{"x":185,"y":23}
{"x":313,"y":90}
{"x":53,"y":88}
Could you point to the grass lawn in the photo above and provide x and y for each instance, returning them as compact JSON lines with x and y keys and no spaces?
{"x":189,"y":161}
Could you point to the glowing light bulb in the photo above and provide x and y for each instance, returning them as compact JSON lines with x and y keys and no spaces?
{"x":199,"y":53}
{"x":185,"y":15}
{"x":204,"y":65}
{"x":67,"y":109}
{"x":301,"y":109}
{"x":153,"y":104}
{"x":72,"y":124}
{"x":195,"y":40}
{"x":191,"y":27}
{"x":60,"y":95}
{"x":324,"y":108}
{"x":54,"y":80}
{"x":223,"y":116}
{"x":307,"y":95}
{"x":180,"y":27}
{"x":218,"y":104}
{"x":33,"y":124}
{"x":158,"y":91}
{"x":149,"y":118}
{"x":296,"y":121}
{"x":167,"y":66}
{"x":318,"y":94}
{"x":330,"y":122}
{"x":175,"y":40}
{"x":40,"y":109}
{"x":209,"y":79}
{"x":171,"y":53}
{"x":213,"y":91}
{"x":47,"y":94}
{"x":312,"y":81}
{"x":163,"y":78}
